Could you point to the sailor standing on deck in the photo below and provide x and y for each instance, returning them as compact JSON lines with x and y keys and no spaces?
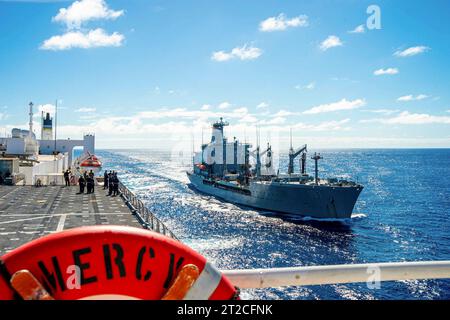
{"x":105,"y":180}
{"x":92,"y":177}
{"x":67,"y":177}
{"x":110,"y":183}
{"x":90,"y":184}
{"x":115,"y":185}
{"x":86,"y":179}
{"x":82,"y":183}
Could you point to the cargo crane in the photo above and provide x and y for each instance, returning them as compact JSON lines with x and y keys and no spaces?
{"x":294,"y":154}
{"x":259,"y":154}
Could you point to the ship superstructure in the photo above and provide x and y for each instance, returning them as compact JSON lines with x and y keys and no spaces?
{"x":25,"y":160}
{"x":223,"y":169}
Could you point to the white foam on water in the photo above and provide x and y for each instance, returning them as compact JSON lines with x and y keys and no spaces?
{"x":219,"y":243}
{"x":344,"y":220}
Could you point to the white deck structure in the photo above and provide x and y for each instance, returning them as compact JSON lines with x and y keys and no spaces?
{"x":47,"y":147}
{"x":46,"y":169}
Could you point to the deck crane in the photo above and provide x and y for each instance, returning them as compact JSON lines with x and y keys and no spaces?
{"x":294,"y":154}
{"x":258,"y":158}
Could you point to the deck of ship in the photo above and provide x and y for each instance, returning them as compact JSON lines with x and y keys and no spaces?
{"x":27,"y":213}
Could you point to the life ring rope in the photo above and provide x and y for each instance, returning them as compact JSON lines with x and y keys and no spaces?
{"x":28,"y":287}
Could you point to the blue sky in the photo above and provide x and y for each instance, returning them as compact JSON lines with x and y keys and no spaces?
{"x":140,"y":73}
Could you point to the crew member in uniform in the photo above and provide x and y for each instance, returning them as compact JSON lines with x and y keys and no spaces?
{"x":92,"y":179}
{"x":105,"y":180}
{"x":67,"y":177}
{"x":110,"y":183}
{"x":82,"y":183}
{"x":116,"y":185}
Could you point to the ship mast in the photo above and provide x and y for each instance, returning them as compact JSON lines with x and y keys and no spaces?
{"x":56,"y":124}
{"x":316,"y":159}
{"x":258,"y":156}
{"x":202,"y":147}
{"x":290,"y":136}
{"x":30,"y":133}
{"x":42,"y":125}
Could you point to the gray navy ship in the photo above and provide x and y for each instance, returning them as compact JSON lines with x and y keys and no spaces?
{"x":233,"y":172}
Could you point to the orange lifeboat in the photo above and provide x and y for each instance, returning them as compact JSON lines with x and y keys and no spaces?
{"x":201,"y":166}
{"x":91,"y":162}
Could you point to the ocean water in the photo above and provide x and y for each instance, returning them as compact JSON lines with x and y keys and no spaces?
{"x":403,"y":214}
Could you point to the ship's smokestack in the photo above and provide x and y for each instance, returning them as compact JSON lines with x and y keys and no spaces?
{"x":47,"y":127}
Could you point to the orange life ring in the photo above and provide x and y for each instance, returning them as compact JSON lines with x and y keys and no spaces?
{"x":111,"y":262}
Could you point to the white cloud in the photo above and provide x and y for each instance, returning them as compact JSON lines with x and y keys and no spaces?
{"x":421,"y":97}
{"x":358,"y":29}
{"x":412,"y":98}
{"x":262,"y":105}
{"x":344,"y":104}
{"x":248,"y":119}
{"x":412,"y":51}
{"x":284,"y":113}
{"x":224,"y":105}
{"x":117,"y":132}
{"x":86,"y":110}
{"x":324,"y":126}
{"x":242,"y":110}
{"x":205,"y":107}
{"x":406,"y":98}
{"x":221,"y":56}
{"x":85,"y":10}
{"x":77,"y":39}
{"x":384,"y":111}
{"x":407,"y":118}
{"x":389,"y":71}
{"x":330,"y":42}
{"x":309,"y":86}
{"x":184,"y":114}
{"x":281,"y":23}
{"x":243,"y":53}
{"x":274,"y":121}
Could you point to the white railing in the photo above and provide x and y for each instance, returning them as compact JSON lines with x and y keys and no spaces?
{"x":334,"y":274}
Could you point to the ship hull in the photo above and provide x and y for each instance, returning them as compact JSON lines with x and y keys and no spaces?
{"x":319,"y":202}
